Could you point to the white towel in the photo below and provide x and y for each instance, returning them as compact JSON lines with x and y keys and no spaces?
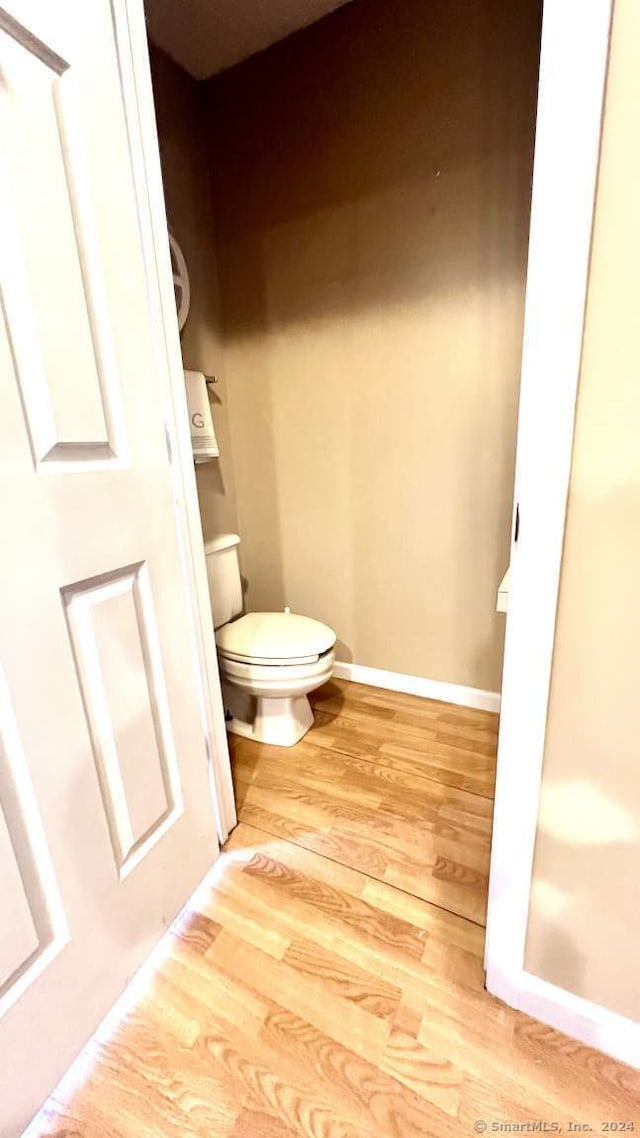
{"x":203,"y":439}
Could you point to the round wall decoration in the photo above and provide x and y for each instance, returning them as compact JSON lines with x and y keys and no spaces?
{"x":181,"y":285}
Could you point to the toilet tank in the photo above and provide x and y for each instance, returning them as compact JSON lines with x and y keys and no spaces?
{"x":223,"y":571}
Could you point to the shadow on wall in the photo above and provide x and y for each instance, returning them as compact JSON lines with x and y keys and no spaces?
{"x":371,"y":193}
{"x":586,"y":894}
{"x":572,"y":941}
{"x":185,"y":176}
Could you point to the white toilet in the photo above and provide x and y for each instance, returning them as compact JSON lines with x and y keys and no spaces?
{"x":269,"y":661}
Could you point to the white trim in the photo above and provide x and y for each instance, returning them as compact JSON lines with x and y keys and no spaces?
{"x":590,"y":1023}
{"x":418,"y":685}
{"x":131,"y":35}
{"x":575,"y":41}
{"x":572,"y":76}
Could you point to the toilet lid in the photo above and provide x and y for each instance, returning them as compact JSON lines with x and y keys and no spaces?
{"x":275,"y":637}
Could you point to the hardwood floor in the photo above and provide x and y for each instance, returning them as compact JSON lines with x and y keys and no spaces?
{"x":378,"y":785}
{"x":329,"y":982}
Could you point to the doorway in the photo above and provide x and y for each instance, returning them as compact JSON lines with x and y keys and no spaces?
{"x":283,"y":910}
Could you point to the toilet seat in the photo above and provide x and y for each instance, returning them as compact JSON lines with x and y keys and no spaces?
{"x":274,"y":639}
{"x":278,"y":711}
{"x":266,"y":677}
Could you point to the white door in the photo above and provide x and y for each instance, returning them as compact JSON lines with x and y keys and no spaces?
{"x":107,"y":820}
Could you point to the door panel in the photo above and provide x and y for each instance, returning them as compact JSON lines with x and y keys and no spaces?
{"x":116,"y":649}
{"x":71,"y":397}
{"x":33,"y":925}
{"x":106,"y":821}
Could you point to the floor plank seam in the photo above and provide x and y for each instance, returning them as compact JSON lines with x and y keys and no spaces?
{"x":306,"y":997}
{"x":363,"y":873}
{"x":375,"y":760}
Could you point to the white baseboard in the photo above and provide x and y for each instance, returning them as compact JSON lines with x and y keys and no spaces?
{"x":589,"y":1023}
{"x":417,"y":685}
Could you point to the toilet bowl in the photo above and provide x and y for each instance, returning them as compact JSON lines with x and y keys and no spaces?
{"x":269,"y":661}
{"x":281,"y":713}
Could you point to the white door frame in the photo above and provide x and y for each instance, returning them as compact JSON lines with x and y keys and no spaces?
{"x":131,"y":36}
{"x":574,"y":55}
{"x":574,"y":52}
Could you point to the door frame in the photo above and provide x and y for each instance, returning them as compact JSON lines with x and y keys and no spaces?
{"x":573,"y":67}
{"x":574,"y":52}
{"x":573,"y":64}
{"x":135,"y":73}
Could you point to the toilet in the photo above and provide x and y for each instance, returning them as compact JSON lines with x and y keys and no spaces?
{"x":269,"y":661}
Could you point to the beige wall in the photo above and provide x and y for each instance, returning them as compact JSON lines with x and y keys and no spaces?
{"x":184,"y":157}
{"x":372,"y":188}
{"x":584,"y":922}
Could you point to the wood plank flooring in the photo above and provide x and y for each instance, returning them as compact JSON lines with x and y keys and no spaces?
{"x":329,"y":984}
{"x":397,"y":787}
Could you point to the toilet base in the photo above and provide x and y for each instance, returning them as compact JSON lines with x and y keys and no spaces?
{"x":279,"y":722}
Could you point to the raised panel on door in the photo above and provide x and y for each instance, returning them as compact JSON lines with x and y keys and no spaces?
{"x":33,"y":927}
{"x":18,"y":934}
{"x":51,"y":275}
{"x":113,"y":630}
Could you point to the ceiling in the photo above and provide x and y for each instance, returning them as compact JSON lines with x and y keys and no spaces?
{"x":206,"y":36}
